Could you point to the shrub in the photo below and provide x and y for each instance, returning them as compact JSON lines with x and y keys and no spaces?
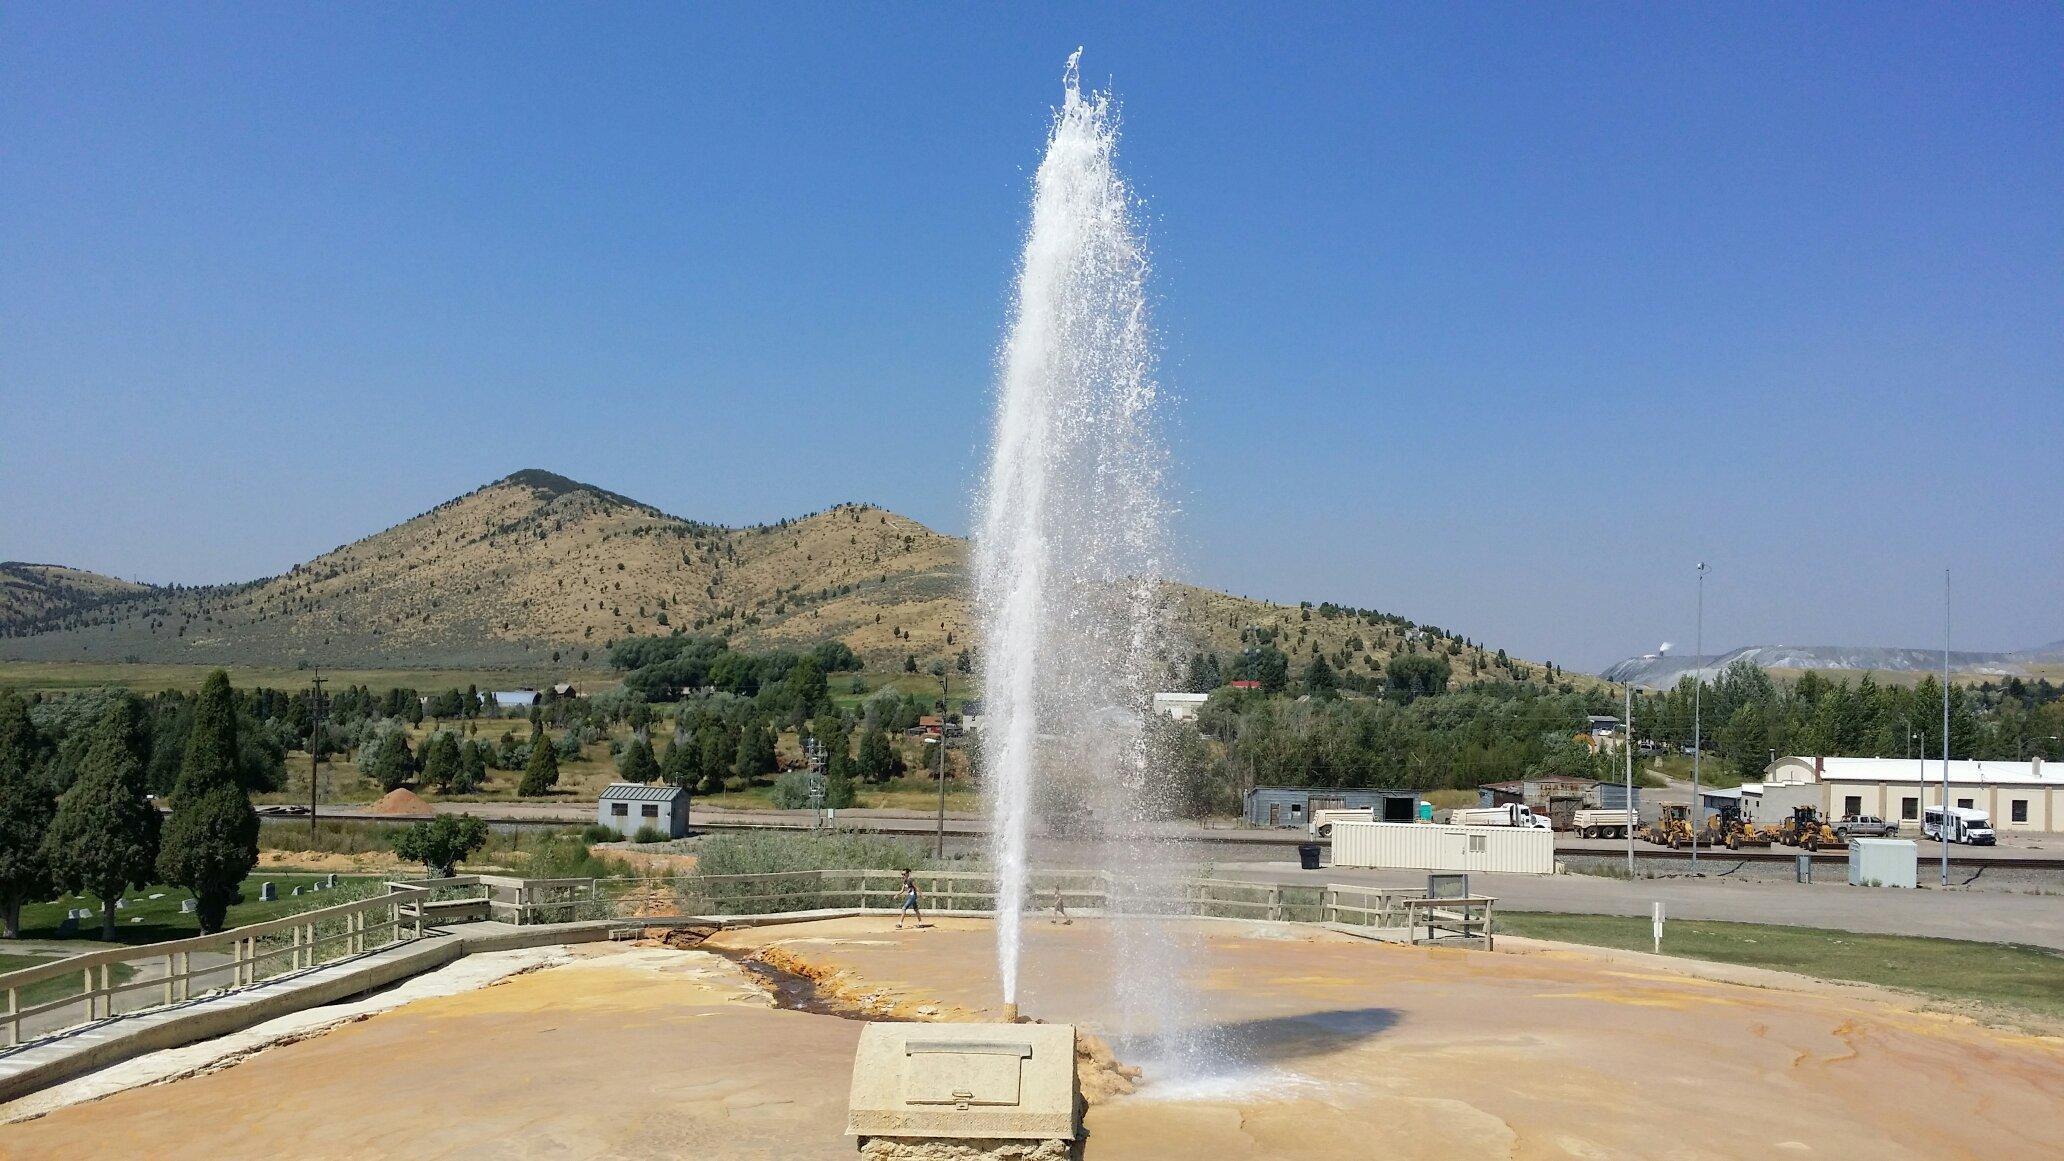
{"x":440,"y":843}
{"x":596,"y":832}
{"x":650,"y":834}
{"x":767,"y":852}
{"x":792,"y":790}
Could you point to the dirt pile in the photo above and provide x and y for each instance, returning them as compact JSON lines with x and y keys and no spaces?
{"x":401,"y":802}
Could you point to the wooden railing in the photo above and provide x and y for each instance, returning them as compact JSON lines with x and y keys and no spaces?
{"x":126,"y":980}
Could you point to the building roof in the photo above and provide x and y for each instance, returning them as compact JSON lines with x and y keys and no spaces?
{"x":1969,"y":772}
{"x":1330,"y":790}
{"x":641,"y":792}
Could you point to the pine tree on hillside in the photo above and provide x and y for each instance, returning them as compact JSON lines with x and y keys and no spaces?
{"x":541,"y":773}
{"x":26,"y":807}
{"x":104,"y":839}
{"x":211,"y":841}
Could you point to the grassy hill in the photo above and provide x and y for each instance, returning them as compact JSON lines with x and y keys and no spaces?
{"x":537,"y":571}
{"x":46,"y":594}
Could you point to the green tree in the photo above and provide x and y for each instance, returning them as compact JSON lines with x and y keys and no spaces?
{"x":472,"y":773}
{"x":211,"y":841}
{"x":678,"y":764}
{"x":26,"y":807}
{"x":636,"y":763}
{"x":104,"y":838}
{"x":808,"y":693}
{"x":877,"y":760}
{"x":756,"y":754}
{"x":440,"y":843}
{"x":442,"y":760}
{"x":388,"y":759}
{"x":541,"y":773}
{"x":1319,"y":679}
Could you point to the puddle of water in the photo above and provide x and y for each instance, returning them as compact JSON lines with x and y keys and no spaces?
{"x":794,"y":992}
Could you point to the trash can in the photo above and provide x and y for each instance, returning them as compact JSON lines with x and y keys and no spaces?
{"x":1308,"y":856}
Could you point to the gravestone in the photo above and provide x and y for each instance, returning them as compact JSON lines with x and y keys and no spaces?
{"x":267,"y":893}
{"x":121,"y":904}
{"x":189,"y":906}
{"x":329,"y":880}
{"x":70,"y":926}
{"x":295,"y":891}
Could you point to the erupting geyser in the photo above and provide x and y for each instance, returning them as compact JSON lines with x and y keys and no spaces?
{"x":1069,"y":555}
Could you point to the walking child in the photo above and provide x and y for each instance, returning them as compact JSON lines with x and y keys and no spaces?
{"x":909,"y":897}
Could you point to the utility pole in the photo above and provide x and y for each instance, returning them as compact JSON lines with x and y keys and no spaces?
{"x":1942,"y":831}
{"x":1627,"y":744}
{"x":1698,"y":689}
{"x":315,"y":743}
{"x":945,"y":682}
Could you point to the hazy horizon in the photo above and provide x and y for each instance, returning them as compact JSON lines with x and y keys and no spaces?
{"x":1497,"y":319}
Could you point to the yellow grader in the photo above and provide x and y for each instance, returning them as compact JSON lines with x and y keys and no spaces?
{"x":1727,"y":827}
{"x":1805,"y":829}
{"x":1672,"y":827}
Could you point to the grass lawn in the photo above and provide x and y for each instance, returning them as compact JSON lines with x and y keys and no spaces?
{"x":147,"y":920}
{"x":2008,"y":975}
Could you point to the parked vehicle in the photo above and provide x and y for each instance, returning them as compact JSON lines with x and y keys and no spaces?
{"x":1728,"y":827}
{"x":1865,"y":826}
{"x":1806,"y":829}
{"x":1604,"y":823}
{"x":1963,"y":825}
{"x":1672,"y":827}
{"x":1322,"y":820}
{"x":1510,"y":814}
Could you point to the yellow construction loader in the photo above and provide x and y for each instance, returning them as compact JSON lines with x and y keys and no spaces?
{"x":1805,"y":829}
{"x":1728,"y":827}
{"x":1672,"y":827}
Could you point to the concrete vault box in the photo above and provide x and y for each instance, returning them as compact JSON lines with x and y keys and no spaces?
{"x":997,"y":1081}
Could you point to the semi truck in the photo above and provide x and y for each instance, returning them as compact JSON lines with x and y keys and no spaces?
{"x":1510,"y":814}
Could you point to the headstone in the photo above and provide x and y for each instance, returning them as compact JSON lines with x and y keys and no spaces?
{"x":295,"y":891}
{"x":189,"y":906}
{"x":70,"y":926}
{"x":121,"y":904}
{"x":267,"y":893}
{"x":329,"y":880}
{"x":136,"y":919}
{"x":157,"y":894}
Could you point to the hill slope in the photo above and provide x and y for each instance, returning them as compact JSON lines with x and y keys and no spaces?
{"x":536,"y":568}
{"x":35,"y":594}
{"x":1662,"y":671}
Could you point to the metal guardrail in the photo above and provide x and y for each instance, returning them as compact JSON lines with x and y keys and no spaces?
{"x":127,"y":980}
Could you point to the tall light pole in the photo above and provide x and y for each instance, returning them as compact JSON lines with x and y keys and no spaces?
{"x":1942,"y":830}
{"x":1698,"y":690}
{"x":1627,"y":745}
{"x":945,"y":680}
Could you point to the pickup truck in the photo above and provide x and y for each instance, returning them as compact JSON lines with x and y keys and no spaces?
{"x":1864,"y":826}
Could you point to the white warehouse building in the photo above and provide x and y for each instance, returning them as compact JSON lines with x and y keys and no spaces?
{"x":2019,"y":796}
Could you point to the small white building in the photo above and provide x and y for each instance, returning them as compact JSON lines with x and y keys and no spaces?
{"x":1182,"y":707}
{"x":629,"y":807}
{"x":2019,"y":796}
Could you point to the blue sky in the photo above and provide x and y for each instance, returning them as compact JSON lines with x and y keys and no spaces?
{"x":1497,"y":317}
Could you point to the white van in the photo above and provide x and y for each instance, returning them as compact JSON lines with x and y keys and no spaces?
{"x":1965,"y":825}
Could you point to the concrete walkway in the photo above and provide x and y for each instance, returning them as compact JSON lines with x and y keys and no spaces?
{"x":1990,"y":916}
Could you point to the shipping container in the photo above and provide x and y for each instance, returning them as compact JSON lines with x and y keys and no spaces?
{"x":1879,"y":862}
{"x":1519,"y":850}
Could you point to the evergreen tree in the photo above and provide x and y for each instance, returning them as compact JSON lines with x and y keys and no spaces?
{"x":442,"y":760}
{"x":388,"y":759}
{"x":472,"y":773}
{"x":713,"y":754}
{"x":440,"y":843}
{"x":1319,"y":679}
{"x":756,"y":753}
{"x":541,"y":773}
{"x":104,"y":838}
{"x":678,"y":765}
{"x":211,"y":841}
{"x":26,"y":807}
{"x":636,"y":763}
{"x":878,"y":760}
{"x":838,"y":767}
{"x":807,"y":690}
